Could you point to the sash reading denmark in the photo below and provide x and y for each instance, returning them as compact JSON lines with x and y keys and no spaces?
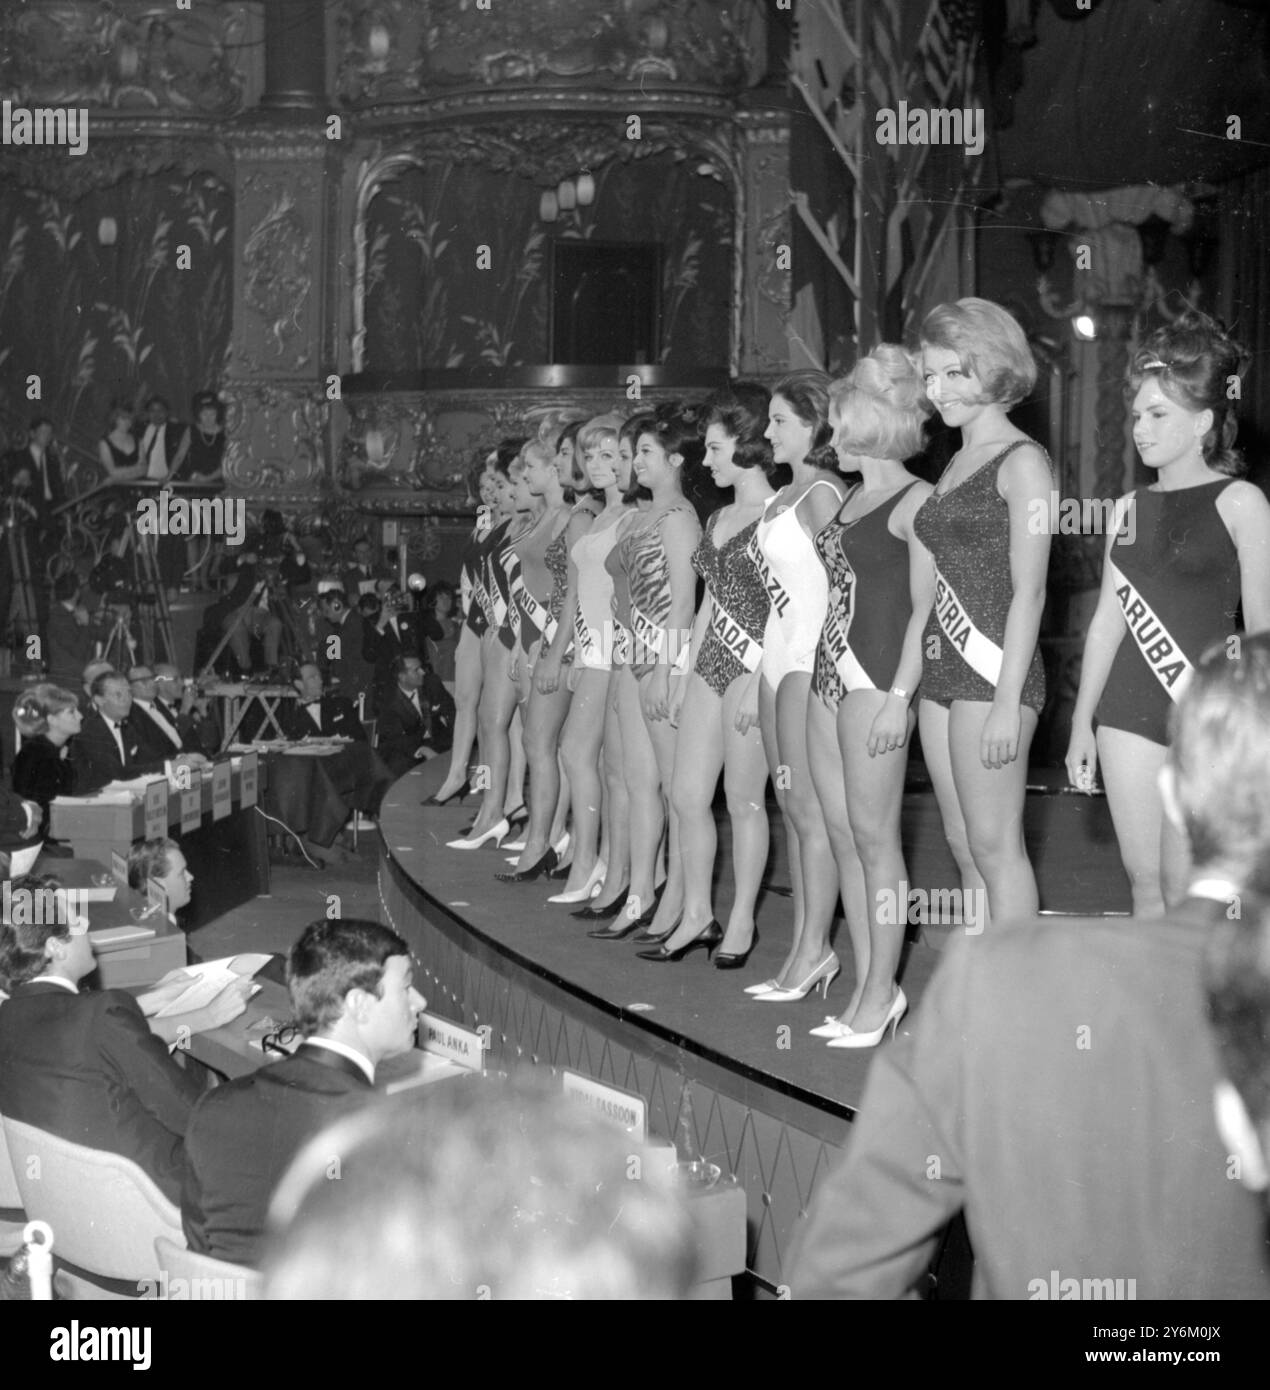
{"x":586,"y":642}
{"x":980,"y":652}
{"x":734,"y":637}
{"x":1162,"y":653}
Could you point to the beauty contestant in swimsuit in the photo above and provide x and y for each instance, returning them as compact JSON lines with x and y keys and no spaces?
{"x":983,"y":685}
{"x":868,"y":664}
{"x":588,"y":609}
{"x":785,"y":556}
{"x":1189,"y":548}
{"x":718,"y":720}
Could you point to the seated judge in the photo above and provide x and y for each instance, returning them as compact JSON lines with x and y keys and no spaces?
{"x":193,"y":713}
{"x":354,"y":1003}
{"x":83,"y":1064}
{"x":405,"y":727}
{"x":92,"y":669}
{"x":171,"y":735}
{"x":1056,"y":1083}
{"x":114,"y":742}
{"x":47,"y":717}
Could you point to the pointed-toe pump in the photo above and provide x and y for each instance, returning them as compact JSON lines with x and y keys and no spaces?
{"x":734,"y":960}
{"x":445,"y":800}
{"x":496,"y":832}
{"x":820,"y":978}
{"x":543,"y":866}
{"x":709,"y":938}
{"x":595,"y":880}
{"x":899,"y":1007}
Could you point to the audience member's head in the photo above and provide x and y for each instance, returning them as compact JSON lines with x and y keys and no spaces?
{"x":44,"y":937}
{"x":92,"y":671}
{"x":41,"y":706}
{"x":333,"y":602}
{"x":141,"y":681}
{"x":1215,"y":784}
{"x":67,"y":587}
{"x":369,"y":606}
{"x":112,"y":694}
{"x":169,"y":684}
{"x":363,"y":552}
{"x":485,"y":1189}
{"x":352,"y":980}
{"x":409,"y":673}
{"x":309,"y":683}
{"x":157,"y":409}
{"x":161,"y":861}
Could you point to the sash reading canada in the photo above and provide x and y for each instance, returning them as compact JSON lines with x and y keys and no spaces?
{"x":734,"y":637}
{"x":979,"y":651}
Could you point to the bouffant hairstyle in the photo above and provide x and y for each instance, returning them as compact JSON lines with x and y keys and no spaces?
{"x":881,"y":405}
{"x":32,"y":708}
{"x":806,"y":392}
{"x":598,"y":428}
{"x":1195,"y":360}
{"x":507,"y":452}
{"x":740,"y":411}
{"x":989,"y":342}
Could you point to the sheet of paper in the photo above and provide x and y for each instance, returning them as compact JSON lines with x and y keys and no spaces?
{"x":210,"y":977}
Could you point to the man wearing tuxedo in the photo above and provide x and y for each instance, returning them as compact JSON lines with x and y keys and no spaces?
{"x":85,"y":1065}
{"x":71,"y":635}
{"x":177,"y":728}
{"x":352,"y":996}
{"x":360,"y":577}
{"x":118,"y":742}
{"x":405,"y":734}
{"x":339,"y":640}
{"x":1058,"y":1081}
{"x":356,"y":771}
{"x":193,"y":713}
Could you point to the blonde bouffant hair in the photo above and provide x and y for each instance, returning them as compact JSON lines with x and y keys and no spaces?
{"x":880,"y":405}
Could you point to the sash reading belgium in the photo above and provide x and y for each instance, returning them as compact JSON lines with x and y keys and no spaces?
{"x":837,"y":637}
{"x":1162,"y":653}
{"x":980,"y":652}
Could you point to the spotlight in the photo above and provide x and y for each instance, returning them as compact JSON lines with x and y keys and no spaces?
{"x":1085,"y":328}
{"x":417,"y":583}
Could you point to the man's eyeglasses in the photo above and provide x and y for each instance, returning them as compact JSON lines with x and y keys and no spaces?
{"x":282,"y":1040}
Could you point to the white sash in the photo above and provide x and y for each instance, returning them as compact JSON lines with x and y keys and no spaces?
{"x":775,"y":590}
{"x":838,"y":619}
{"x":584,"y":637}
{"x":980,"y":652}
{"x":653,"y":643}
{"x":535,"y":611}
{"x":1162,"y":653}
{"x":734,"y":637}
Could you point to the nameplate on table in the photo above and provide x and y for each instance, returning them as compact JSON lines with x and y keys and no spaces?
{"x":446,"y":1039}
{"x":625,"y":1109}
{"x":249,"y":774}
{"x":157,"y":809}
{"x":221,"y":789}
{"x":192,"y":802}
{"x":119,"y":867}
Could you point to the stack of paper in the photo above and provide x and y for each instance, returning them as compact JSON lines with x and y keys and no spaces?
{"x":208,"y":979}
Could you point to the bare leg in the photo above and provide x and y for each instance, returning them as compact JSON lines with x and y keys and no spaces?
{"x":1130,"y":766}
{"x":617,"y":803}
{"x":745,"y":786}
{"x":498,"y":705}
{"x":643,"y":788}
{"x":698,"y":762}
{"x":932,"y":720}
{"x":580,"y":742}
{"x":544,"y":716}
{"x":665,"y":740}
{"x":467,"y":696}
{"x":780,"y":784}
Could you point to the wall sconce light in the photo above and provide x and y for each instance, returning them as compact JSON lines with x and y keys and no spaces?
{"x":567,"y":195}
{"x":107,"y":231}
{"x":548,"y":205}
{"x":378,"y":41}
{"x":127,"y":58}
{"x":586,"y":190}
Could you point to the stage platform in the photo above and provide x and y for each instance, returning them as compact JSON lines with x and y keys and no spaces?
{"x":727,"y":1078}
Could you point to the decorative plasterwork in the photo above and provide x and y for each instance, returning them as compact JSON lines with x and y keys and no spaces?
{"x":274,"y":435}
{"x":277,"y":273}
{"x":111,"y":160}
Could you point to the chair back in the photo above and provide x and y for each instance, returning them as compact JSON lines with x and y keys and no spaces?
{"x":11,"y":1228}
{"x":370,"y":727}
{"x":105,"y":1211}
{"x":204,"y":1278}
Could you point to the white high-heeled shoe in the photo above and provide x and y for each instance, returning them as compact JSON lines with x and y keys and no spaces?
{"x":589,"y":889}
{"x":764,"y":988}
{"x":899,"y":1007}
{"x":497,"y":832}
{"x":831,"y":1028}
{"x":820,"y":978}
{"x":515,"y":845}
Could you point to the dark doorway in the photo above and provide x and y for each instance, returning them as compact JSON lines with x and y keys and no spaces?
{"x":604,"y":301}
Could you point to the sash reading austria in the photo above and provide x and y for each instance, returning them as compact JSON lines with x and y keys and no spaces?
{"x":980,"y":652}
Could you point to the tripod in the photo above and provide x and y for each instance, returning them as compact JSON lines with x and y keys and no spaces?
{"x":120,"y":643}
{"x":157,"y":621}
{"x":20,"y":569}
{"x":282,"y":608}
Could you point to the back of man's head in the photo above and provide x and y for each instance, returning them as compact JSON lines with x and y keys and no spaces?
{"x":485,"y":1189}
{"x":1220,"y":761}
{"x":1238,"y":985}
{"x":333,"y":957}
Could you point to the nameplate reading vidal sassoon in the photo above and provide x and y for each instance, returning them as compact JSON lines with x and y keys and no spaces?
{"x":221,"y":774}
{"x":446,"y":1039}
{"x":192,"y":803}
{"x":250,"y":765}
{"x":626,"y":1110}
{"x":157,"y":809}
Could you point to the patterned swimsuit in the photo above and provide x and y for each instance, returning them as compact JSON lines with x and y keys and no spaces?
{"x":967,"y":531}
{"x":648,"y":574}
{"x":733,"y":643}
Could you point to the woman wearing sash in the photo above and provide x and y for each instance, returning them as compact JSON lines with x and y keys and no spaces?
{"x":983,"y":685}
{"x":476,"y":609}
{"x":1185,"y":551}
{"x":539,"y":593}
{"x":718,"y":721}
{"x":868,"y":664}
{"x":785,"y":556}
{"x":588,"y":609}
{"x":498,"y":647}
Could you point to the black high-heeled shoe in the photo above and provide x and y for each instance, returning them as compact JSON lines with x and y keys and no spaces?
{"x":519,"y":817}
{"x":561,"y":871}
{"x":709,"y":938}
{"x":543,"y":866}
{"x":732,"y":960}
{"x":627,"y":926}
{"x":599,"y":914}
{"x":445,"y":800}
{"x":647,"y":938}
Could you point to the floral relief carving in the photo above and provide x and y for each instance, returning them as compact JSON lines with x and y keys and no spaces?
{"x":274,"y":436}
{"x":278,"y":277}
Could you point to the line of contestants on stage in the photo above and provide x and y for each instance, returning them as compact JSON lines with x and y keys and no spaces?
{"x":845,"y":601}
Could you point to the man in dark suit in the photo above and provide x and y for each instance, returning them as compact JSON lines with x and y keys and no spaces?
{"x":31,"y":479}
{"x":71,"y":636}
{"x":404,"y":735}
{"x":1057,"y":1082}
{"x":113,"y":742}
{"x":193,"y":713}
{"x":353,"y":999}
{"x":360,"y":577}
{"x":340,"y":639}
{"x":394,"y":634}
{"x":85,"y":1066}
{"x":357,"y":771}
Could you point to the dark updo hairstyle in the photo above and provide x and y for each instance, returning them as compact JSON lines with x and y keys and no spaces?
{"x":740,"y":410}
{"x":507,"y":452}
{"x":639,"y":423}
{"x":807,"y":393}
{"x":1195,"y":359}
{"x":679,"y":427}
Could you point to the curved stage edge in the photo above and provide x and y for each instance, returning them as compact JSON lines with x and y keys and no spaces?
{"x":730,"y":1079}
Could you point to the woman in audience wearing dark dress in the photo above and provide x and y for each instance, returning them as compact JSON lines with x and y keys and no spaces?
{"x":47,"y":717}
{"x":204,"y":464}
{"x":117,"y":451}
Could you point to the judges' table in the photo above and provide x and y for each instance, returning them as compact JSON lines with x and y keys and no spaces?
{"x":223,"y":840}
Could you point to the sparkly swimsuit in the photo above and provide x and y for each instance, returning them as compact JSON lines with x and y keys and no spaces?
{"x":647,"y":567}
{"x":733,"y":643}
{"x":967,"y":531}
{"x":593,"y":625}
{"x":556,"y":558}
{"x":870,"y":604}
{"x":796,"y":583}
{"x":1179,"y":587}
